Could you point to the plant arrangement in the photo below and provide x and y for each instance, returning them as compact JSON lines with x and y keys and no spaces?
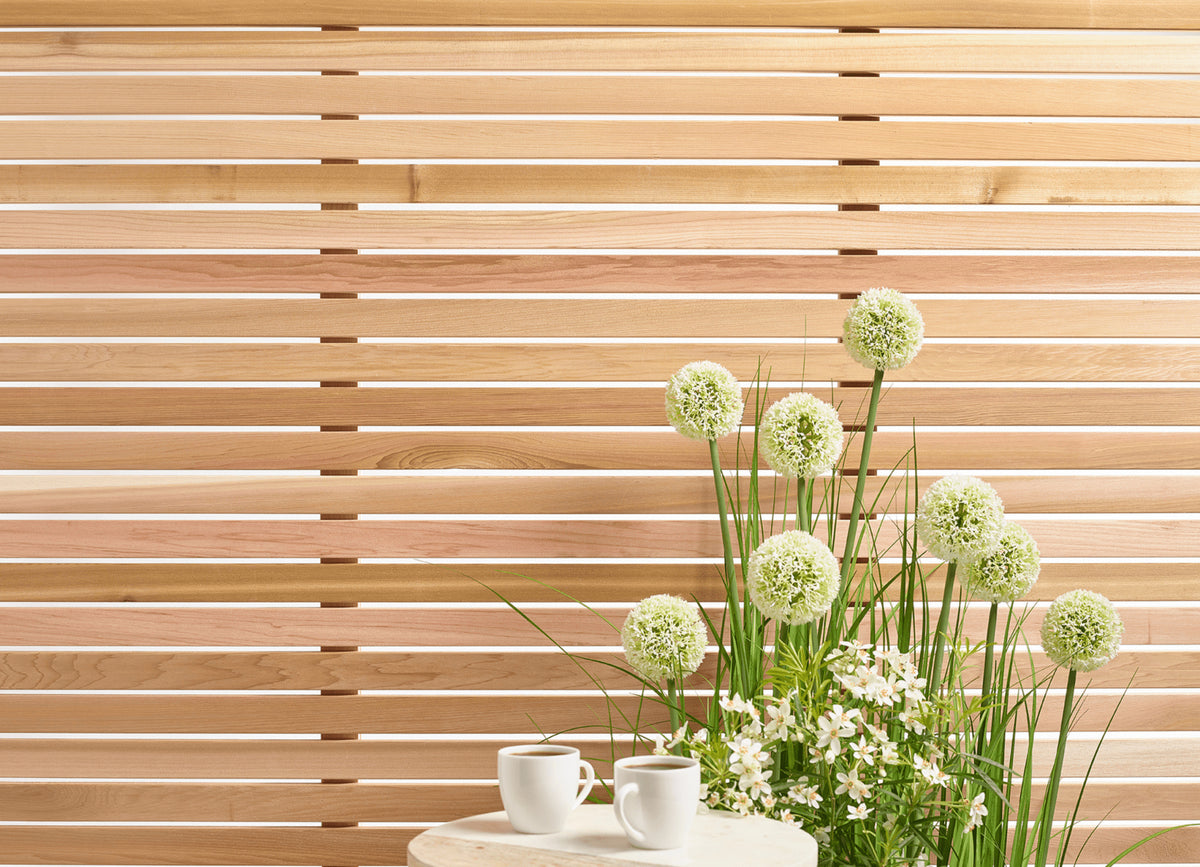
{"x":846,"y":698}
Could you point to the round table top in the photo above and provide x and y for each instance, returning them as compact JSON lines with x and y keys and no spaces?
{"x":593,"y":838}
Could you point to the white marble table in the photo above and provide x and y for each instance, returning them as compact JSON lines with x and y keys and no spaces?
{"x":593,"y":838}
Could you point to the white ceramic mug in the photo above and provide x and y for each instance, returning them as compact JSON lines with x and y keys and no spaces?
{"x":657,"y":799}
{"x":539,"y":785}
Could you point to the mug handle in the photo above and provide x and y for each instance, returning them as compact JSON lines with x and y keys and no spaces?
{"x":588,"y":781}
{"x":636,"y":836}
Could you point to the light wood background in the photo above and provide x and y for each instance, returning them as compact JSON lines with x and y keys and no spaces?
{"x":315,"y":338}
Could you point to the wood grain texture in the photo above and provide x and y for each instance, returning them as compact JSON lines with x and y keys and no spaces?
{"x":476,"y":582}
{"x":586,"y":273}
{"x":203,"y":846}
{"x":520,"y":714}
{"x":566,"y":406}
{"x":352,"y":670}
{"x":1003,"y":185}
{"x":429,"y":626}
{"x":453,"y":670}
{"x":450,"y":183}
{"x":414,"y":493}
{"x":453,"y":714}
{"x":664,"y":93}
{"x":1139,"y":51}
{"x":581,"y":361}
{"x":587,"y":139}
{"x":449,"y":318}
{"x":421,"y":801}
{"x":251,"y":802}
{"x":554,"y":450}
{"x":443,"y":758}
{"x":485,"y":538}
{"x":597,"y":230}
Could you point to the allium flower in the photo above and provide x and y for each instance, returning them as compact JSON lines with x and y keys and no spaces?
{"x":1008,"y":572}
{"x":704,"y":401}
{"x":1082,"y":630}
{"x":883,"y":330}
{"x":801,"y":436}
{"x":664,"y":637}
{"x":793,"y":577}
{"x":960,"y":518}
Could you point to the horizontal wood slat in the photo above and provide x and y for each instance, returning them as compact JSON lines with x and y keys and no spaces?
{"x":661,"y":138}
{"x":573,"y":450}
{"x":581,"y":361}
{"x":431,"y":626}
{"x":1006,"y":185}
{"x":191,"y":670}
{"x":420,"y":802}
{"x":458,"y":758}
{"x":417,"y":494}
{"x":534,"y":538}
{"x":250,"y":802}
{"x":585,"y":317}
{"x":470,"y":405}
{"x":583,"y":273}
{"x":475,"y":582}
{"x":434,"y":670}
{"x":593,"y":94}
{"x":32,"y":184}
{"x":213,"y":845}
{"x":451,"y":714}
{"x":1143,"y":51}
{"x":598,"y":229}
{"x":365,"y":714}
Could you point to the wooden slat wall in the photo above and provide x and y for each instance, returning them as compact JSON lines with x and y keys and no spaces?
{"x":228,"y":578}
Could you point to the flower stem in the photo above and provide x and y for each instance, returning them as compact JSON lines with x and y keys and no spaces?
{"x":1056,"y":773}
{"x":738,"y":681}
{"x":803,"y":506}
{"x":941,"y":634}
{"x":674,"y":708}
{"x":860,"y":486}
{"x":989,"y":653}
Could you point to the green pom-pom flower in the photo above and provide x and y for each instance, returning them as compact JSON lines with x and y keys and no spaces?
{"x":960,"y":518}
{"x":704,"y":401}
{"x":664,"y":638}
{"x":883,"y":330}
{"x":1008,"y":572}
{"x":1082,"y":630}
{"x":801,"y":436}
{"x":793,"y":577}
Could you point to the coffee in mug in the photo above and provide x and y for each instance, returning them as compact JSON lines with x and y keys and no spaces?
{"x":539,"y":785}
{"x":656,"y":799}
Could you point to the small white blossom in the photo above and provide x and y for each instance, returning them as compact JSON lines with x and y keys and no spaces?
{"x":806,"y":795}
{"x":860,"y":651}
{"x":912,"y":722}
{"x":858,"y":811}
{"x":736,"y":704}
{"x":780,"y":720}
{"x":851,"y":785}
{"x":977,"y":811}
{"x":758,"y":786}
{"x":863,"y":751}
